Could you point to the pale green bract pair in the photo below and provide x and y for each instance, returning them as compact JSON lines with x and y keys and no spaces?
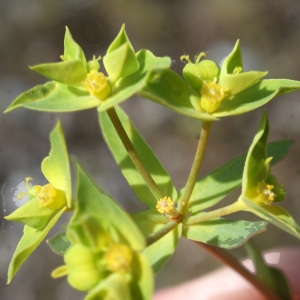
{"x":107,"y":252}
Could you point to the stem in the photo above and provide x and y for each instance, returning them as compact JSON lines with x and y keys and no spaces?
{"x":136,"y":160}
{"x":205,"y":130}
{"x":223,"y":211}
{"x":161,"y":232}
{"x":230,"y":261}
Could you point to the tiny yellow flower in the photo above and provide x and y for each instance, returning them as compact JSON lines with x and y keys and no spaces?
{"x":50,"y":197}
{"x":97,"y":85}
{"x":212,"y":95}
{"x":118,"y":258}
{"x":47,"y":195}
{"x":165,"y":205}
{"x":265,"y":194}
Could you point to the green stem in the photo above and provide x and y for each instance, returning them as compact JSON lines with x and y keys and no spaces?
{"x":161,"y":232}
{"x":217,"y":213}
{"x":183,"y":203}
{"x":230,"y":261}
{"x":136,"y":160}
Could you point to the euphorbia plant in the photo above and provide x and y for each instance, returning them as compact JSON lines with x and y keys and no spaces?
{"x":112,"y":254}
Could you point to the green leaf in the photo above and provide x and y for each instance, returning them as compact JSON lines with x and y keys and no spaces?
{"x":160,"y":251}
{"x":272,"y":277}
{"x":150,"y":161}
{"x":113,"y":287}
{"x":32,"y":214}
{"x":223,"y":233}
{"x":236,"y":83}
{"x":54,"y":97}
{"x":120,"y":60}
{"x":233,"y":60}
{"x":215,"y":186}
{"x":126,"y":87}
{"x":59,"y":243}
{"x":275,"y":215}
{"x":68,"y":72}
{"x":93,"y":204}
{"x":257,"y":166}
{"x":56,"y":166}
{"x":28,"y":243}
{"x":167,"y":88}
{"x":256,"y":96}
{"x":72,"y":51}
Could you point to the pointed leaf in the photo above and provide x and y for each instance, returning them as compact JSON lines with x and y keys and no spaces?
{"x":215,"y":186}
{"x":71,"y":49}
{"x":256,"y":96}
{"x":28,"y":243}
{"x":233,"y":60}
{"x":160,"y":251}
{"x":120,"y":59}
{"x":54,"y":97}
{"x":32,"y":214}
{"x":224,"y":233}
{"x":150,"y":161}
{"x":167,"y":88}
{"x":94,"y":203}
{"x":56,"y":166}
{"x":68,"y":72}
{"x":126,"y":87}
{"x":275,"y":215}
{"x":236,"y":83}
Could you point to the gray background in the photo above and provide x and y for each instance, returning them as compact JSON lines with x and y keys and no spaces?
{"x":31,"y":32}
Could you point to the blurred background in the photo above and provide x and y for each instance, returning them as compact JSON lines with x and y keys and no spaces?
{"x":32,"y":31}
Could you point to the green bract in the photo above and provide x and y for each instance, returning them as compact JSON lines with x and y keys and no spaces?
{"x":77,"y":83}
{"x":39,"y":219}
{"x":260,"y":189}
{"x":109,"y":247}
{"x":210,"y":92}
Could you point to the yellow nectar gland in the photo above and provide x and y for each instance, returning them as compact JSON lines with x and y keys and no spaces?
{"x":266,"y":196}
{"x":97,"y":85}
{"x":212,"y":95}
{"x":118,"y":258}
{"x":50,"y":197}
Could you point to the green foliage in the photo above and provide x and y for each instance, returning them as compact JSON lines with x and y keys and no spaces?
{"x":112,"y":254}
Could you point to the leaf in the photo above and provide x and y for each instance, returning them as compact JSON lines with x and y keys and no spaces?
{"x":56,"y":166}
{"x":72,"y":51}
{"x":70,"y":72}
{"x":167,"y":88}
{"x":146,"y":155}
{"x":275,"y":215}
{"x":256,"y":96}
{"x":54,"y":97}
{"x":28,"y":243}
{"x":32,"y":214}
{"x":233,"y":60}
{"x":59,"y":243}
{"x":159,"y":252}
{"x":126,"y":87}
{"x":224,"y":233}
{"x":94,"y":204}
{"x":215,"y":186}
{"x":238,"y":82}
{"x":120,"y":60}
{"x":272,"y":277}
{"x":113,"y":287}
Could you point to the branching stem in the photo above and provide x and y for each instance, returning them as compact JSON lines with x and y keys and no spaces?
{"x":135,"y":158}
{"x":183,"y":202}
